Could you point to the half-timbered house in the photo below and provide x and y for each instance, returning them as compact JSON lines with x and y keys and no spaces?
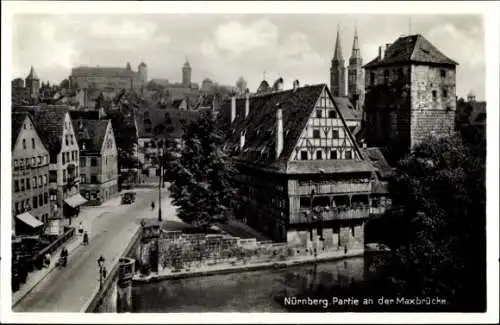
{"x":302,"y":175}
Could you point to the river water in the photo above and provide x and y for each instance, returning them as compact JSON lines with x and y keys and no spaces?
{"x":255,"y":291}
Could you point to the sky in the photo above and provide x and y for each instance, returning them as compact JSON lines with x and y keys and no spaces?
{"x":224,"y":47}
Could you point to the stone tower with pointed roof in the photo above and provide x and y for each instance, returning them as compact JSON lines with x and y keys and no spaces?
{"x":186,"y":74}
{"x":410,"y":95}
{"x":337,"y":70}
{"x":143,"y":72}
{"x":356,"y":80}
{"x":32,"y":86}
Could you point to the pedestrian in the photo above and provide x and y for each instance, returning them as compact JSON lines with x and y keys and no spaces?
{"x":153,"y":205}
{"x":104,"y":272}
{"x":46,"y":260}
{"x":85,"y":238}
{"x":80,"y":228}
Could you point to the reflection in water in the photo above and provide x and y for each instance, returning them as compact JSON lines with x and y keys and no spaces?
{"x":257,"y":291}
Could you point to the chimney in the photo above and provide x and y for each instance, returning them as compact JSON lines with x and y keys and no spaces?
{"x":247,"y":104}
{"x":296,"y":84}
{"x":279,"y":132}
{"x":242,"y":139}
{"x":233,"y":108}
{"x":386,"y":48}
{"x":380,"y":52}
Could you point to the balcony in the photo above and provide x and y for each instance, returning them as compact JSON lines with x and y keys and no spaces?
{"x":305,"y":189}
{"x":304,"y":215}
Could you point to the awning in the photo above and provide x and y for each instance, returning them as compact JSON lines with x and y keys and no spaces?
{"x":75,"y":200}
{"x":29,"y":220}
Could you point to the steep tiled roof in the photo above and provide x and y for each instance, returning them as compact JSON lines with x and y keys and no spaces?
{"x":411,"y":49}
{"x":102,"y":72}
{"x":259,"y":127}
{"x":347,"y":109}
{"x":18,"y":119}
{"x":49,"y":121}
{"x":375,"y":156}
{"x":92,"y":132}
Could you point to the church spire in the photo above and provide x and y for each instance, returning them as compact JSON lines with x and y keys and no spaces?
{"x":338,"y":47}
{"x":355,"y":44}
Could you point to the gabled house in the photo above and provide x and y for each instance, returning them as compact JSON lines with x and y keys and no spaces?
{"x":55,"y":128}
{"x":98,"y":160}
{"x":30,"y":173}
{"x":303,"y":178}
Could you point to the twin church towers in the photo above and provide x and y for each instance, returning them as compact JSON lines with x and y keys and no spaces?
{"x":353,"y":86}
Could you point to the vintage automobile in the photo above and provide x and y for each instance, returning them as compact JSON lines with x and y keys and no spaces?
{"x":128,"y":197}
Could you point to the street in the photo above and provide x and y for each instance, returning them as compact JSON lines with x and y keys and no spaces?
{"x":110,"y":230}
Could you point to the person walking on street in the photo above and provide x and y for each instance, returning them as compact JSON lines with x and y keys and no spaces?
{"x":153,"y":205}
{"x":80,"y":228}
{"x":85,"y":238}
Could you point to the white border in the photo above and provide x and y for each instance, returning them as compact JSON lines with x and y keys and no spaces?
{"x":489,"y":9}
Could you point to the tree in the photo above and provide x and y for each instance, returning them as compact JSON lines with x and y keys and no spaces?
{"x":126,"y":139}
{"x":241,"y":84}
{"x":201,"y":177}
{"x":64,"y":84}
{"x":436,"y":230}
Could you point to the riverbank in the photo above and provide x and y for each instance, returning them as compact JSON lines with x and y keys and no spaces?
{"x":226,"y":268}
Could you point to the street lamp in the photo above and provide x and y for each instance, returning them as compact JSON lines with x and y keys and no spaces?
{"x":100,"y":263}
{"x":159,"y":183}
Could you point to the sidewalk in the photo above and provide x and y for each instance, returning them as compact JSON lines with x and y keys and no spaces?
{"x":86,"y":216}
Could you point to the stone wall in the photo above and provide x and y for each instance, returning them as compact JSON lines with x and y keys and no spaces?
{"x":433,"y":105}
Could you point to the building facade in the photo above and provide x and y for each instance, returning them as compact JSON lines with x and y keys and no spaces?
{"x":109,"y":77}
{"x":56,"y":131}
{"x":410,"y":94}
{"x":98,"y":160}
{"x":30,"y":173}
{"x":303,"y":178}
{"x":186,"y":74}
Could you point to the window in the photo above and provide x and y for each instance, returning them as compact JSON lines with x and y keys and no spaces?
{"x":28,"y":184}
{"x":16,"y":186}
{"x":33,"y":182}
{"x":72,"y":141}
{"x":44,"y":179}
{"x":386,"y":76}
{"x":32,"y":143}
{"x":24,"y":125}
{"x":83,"y":160}
{"x":24,"y":143}
{"x":35,"y":202}
{"x":445,"y":93}
{"x":333,"y":154}
{"x":434,"y":94}
{"x":63,"y":158}
{"x":15,"y":163}
{"x":93,"y":178}
{"x":40,"y":200}
{"x":332,"y":114}
{"x":22,"y":185}
{"x":93,"y":161}
{"x":39,"y":160}
{"x":83,"y":178}
{"x":319,"y":155}
{"x":45,"y":198}
{"x":335,"y":134}
{"x":52,"y":176}
{"x":40,"y":181}
{"x":348,"y":154}
{"x":33,"y":161}
{"x":64,"y":175}
{"x":67,"y":140}
{"x":443,"y":73}
{"x":316,"y":134}
{"x":319,"y":113}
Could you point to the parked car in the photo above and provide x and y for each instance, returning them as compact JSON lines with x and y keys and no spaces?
{"x":128,"y":197}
